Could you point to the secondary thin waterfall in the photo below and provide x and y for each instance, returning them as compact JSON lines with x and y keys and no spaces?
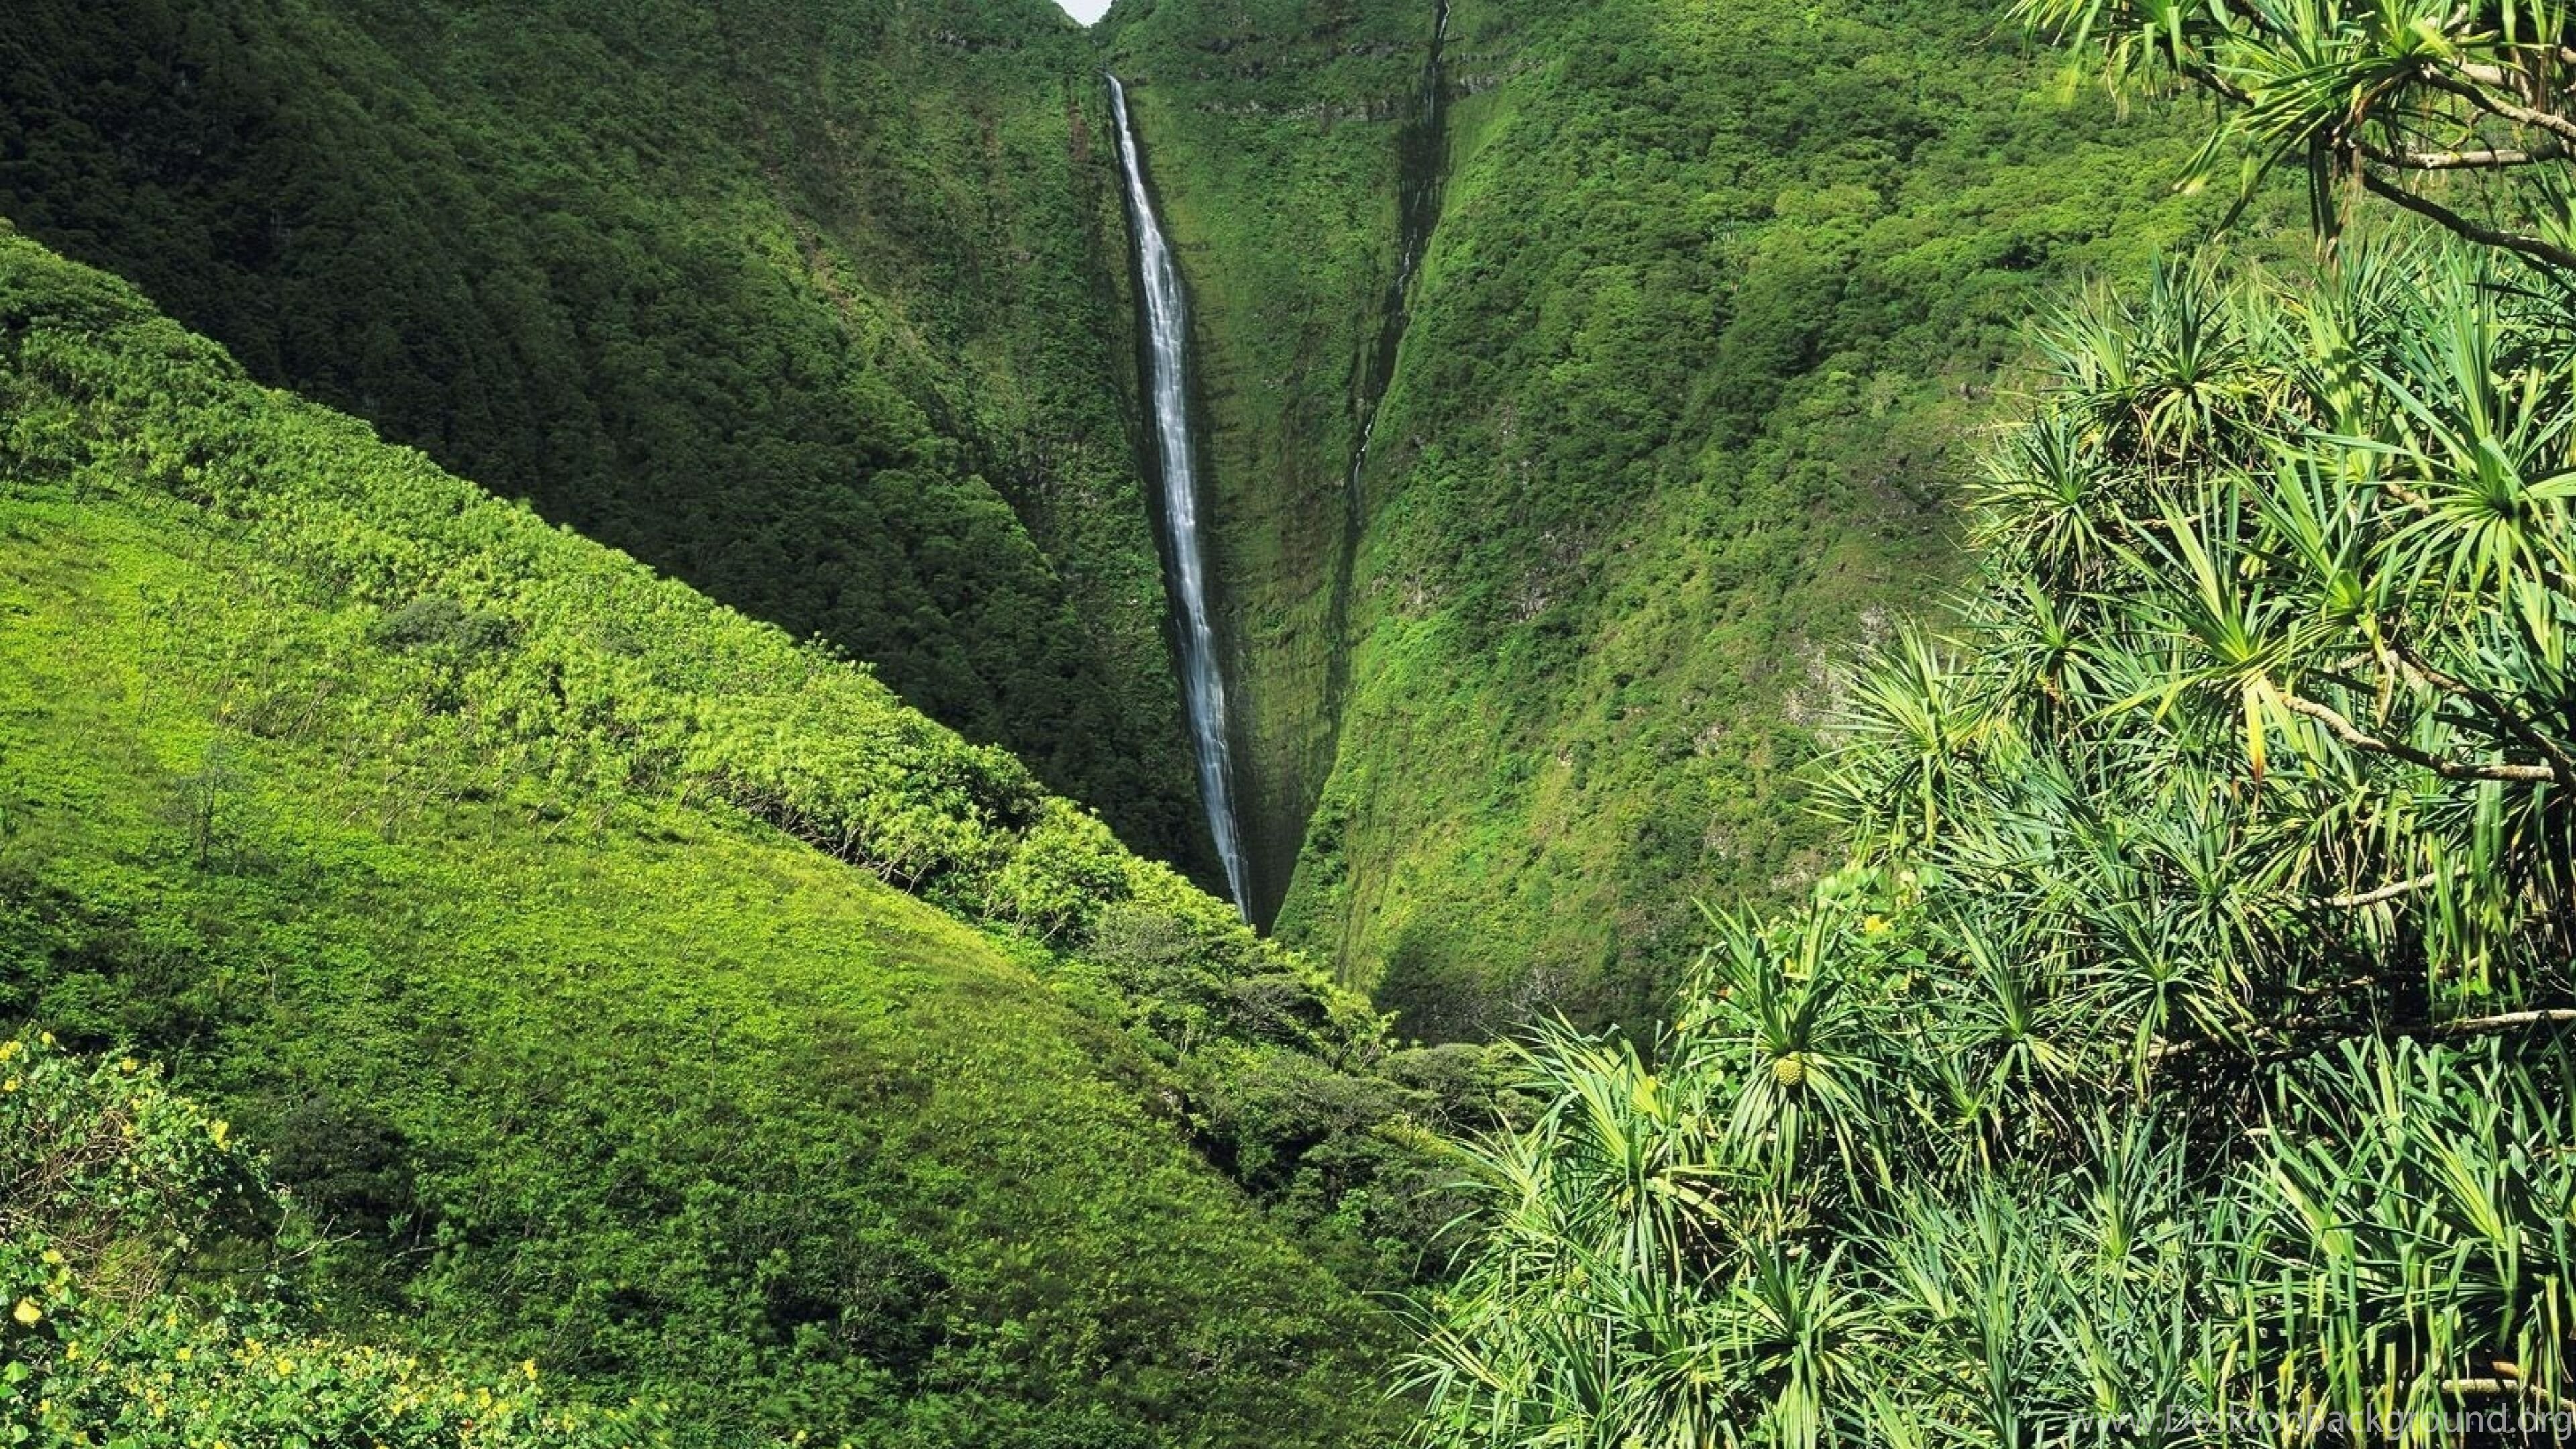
{"x":1167,"y":334}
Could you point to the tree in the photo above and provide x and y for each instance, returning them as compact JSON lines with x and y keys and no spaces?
{"x":2421,"y":104}
{"x":2186,"y":1039}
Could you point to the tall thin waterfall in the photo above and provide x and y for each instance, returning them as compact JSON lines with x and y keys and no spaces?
{"x":1167,"y":328}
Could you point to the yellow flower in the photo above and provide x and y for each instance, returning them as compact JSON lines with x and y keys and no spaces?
{"x":53,"y":1256}
{"x":529,"y":1367}
{"x":9,"y":1049}
{"x":1875,"y":925}
{"x":127,"y":1065}
{"x":220,"y":1129}
{"x":27,"y":1313}
{"x":46,"y":1037}
{"x":10,"y":1085}
{"x":186,"y":1353}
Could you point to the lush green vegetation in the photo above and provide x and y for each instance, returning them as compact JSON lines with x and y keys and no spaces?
{"x":632,"y":1019}
{"x":819,"y":307}
{"x":2182,"y":1057}
{"x":1713,"y":296}
{"x":145,"y":1261}
{"x":825,"y":310}
{"x":574,"y":947}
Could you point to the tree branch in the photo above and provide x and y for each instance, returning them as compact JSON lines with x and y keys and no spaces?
{"x":2388,"y":892}
{"x":2516,"y":725}
{"x":2344,"y":730}
{"x":2506,"y":1386}
{"x":2529,"y":246}
{"x":2494,"y":105}
{"x":2202,"y":75}
{"x":2508,"y":1021}
{"x":2472,"y":160}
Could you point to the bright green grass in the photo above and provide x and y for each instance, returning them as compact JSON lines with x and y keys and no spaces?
{"x":581,"y":1067}
{"x":694,"y":1110}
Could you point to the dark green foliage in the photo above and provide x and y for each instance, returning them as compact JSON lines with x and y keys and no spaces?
{"x":148,"y":1267}
{"x":436,"y":620}
{"x":350,"y":1168}
{"x":816,"y":307}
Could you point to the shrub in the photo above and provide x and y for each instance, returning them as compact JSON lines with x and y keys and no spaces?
{"x":116,"y":1201}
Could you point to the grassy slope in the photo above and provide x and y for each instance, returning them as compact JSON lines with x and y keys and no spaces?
{"x":1713,"y":295}
{"x":819,"y":306}
{"x":594,"y":1067}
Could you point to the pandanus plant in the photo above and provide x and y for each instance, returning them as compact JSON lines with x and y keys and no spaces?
{"x":2456,"y":112}
{"x":2183,"y":1056}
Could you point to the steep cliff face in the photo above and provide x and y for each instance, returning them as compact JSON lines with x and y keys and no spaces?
{"x":820,"y":307}
{"x":1275,"y":130}
{"x":1662,"y":418}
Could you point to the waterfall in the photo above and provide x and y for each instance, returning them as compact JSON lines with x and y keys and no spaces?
{"x":1167,"y":336}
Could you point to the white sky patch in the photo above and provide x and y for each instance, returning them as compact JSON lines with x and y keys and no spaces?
{"x":1085,"y":11}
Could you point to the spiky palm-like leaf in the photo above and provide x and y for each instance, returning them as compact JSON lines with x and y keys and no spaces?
{"x":2187,"y":1039}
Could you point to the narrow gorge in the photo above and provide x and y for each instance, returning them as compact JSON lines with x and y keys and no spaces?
{"x":1570,"y":397}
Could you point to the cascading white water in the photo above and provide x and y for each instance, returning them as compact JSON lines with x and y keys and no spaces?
{"x":1167,"y":335}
